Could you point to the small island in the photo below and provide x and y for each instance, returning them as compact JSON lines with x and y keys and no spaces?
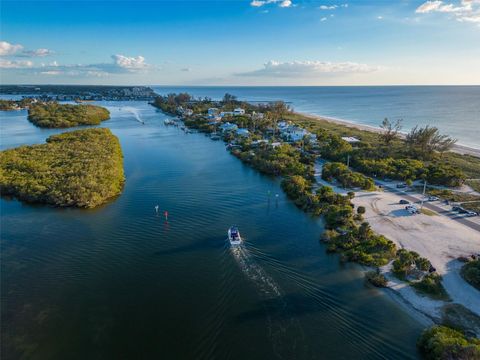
{"x":82,"y":168}
{"x":54,"y":115}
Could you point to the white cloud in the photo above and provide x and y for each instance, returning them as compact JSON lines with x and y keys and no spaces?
{"x":309,"y":69}
{"x":286,"y":3}
{"x":380,"y":17}
{"x":257,"y":3}
{"x":130,"y":63}
{"x":281,"y":3}
{"x":463,"y":11}
{"x":9,"y":49}
{"x":328,"y":7}
{"x":323,"y":19}
{"x":15,"y":64}
{"x":121,"y":65}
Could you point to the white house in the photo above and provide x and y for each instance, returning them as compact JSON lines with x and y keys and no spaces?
{"x":293,"y":133}
{"x":212,"y":111}
{"x":282,"y":125}
{"x":228,"y":127}
{"x":238,"y":111}
{"x":258,"y":142}
{"x":242,"y":132}
{"x":188,"y":112}
{"x":226,"y":113}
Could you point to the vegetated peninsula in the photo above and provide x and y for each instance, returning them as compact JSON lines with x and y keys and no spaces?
{"x":54,"y":115}
{"x":82,"y":168}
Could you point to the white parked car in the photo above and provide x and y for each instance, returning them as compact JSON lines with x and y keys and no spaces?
{"x":412,"y":209}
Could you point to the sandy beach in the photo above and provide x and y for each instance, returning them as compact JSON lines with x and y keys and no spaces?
{"x":458,"y":148}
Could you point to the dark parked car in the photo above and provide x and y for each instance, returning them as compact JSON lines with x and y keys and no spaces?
{"x":404,"y":202}
{"x":401,"y":186}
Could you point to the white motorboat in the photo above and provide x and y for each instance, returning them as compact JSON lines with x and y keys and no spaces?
{"x":234,"y":236}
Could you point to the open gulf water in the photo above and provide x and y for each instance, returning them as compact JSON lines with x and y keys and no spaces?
{"x":121,"y":282}
{"x":455,"y":110}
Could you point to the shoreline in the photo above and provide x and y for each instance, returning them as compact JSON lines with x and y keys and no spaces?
{"x":457,"y":148}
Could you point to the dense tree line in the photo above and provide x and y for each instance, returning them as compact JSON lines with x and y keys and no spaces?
{"x":346,"y":177}
{"x":283,"y":160}
{"x":54,"y":115}
{"x":82,"y":168}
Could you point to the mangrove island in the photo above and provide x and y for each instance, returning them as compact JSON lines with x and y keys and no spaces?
{"x":82,"y":168}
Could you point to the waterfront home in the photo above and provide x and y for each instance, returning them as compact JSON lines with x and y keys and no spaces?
{"x":226,"y":113}
{"x":282,"y":125}
{"x":350,"y":139}
{"x":212,"y":111}
{"x":225,"y":127}
{"x":256,"y":143}
{"x":188,"y":112}
{"x":242,"y":132}
{"x":293,"y":133}
{"x":238,"y":111}
{"x":275,"y":144}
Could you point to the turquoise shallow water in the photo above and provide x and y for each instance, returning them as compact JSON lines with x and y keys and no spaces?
{"x":119,"y":282}
{"x":455,"y":110}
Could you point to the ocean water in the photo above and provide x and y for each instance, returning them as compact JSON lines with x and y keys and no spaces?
{"x":455,"y":110}
{"x":120,"y":282}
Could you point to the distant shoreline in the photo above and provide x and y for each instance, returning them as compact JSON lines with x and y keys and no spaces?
{"x":457,"y":148}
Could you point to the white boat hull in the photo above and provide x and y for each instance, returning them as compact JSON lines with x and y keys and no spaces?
{"x":234,"y":241}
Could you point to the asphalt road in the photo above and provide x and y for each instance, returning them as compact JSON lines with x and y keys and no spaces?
{"x":438,"y":209}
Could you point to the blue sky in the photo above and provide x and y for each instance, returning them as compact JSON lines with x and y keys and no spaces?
{"x":259,"y":42}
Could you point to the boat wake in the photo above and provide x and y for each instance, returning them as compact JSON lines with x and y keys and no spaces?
{"x":284,"y":329}
{"x":134,"y":112}
{"x":266,"y":285}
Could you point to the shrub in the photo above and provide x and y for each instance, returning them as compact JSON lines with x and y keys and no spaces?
{"x":431,"y":285}
{"x":376,"y":278}
{"x":444,"y":343}
{"x":361,"y":210}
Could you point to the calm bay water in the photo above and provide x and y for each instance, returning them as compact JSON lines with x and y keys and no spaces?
{"x":119,"y":282}
{"x":455,"y":110}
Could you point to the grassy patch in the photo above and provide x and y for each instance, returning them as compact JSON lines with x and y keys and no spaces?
{"x":471,"y":273}
{"x":469,"y":164}
{"x":452,"y":195}
{"x":428,"y":212}
{"x":474,"y":184}
{"x":473,"y":206}
{"x":431,"y":286}
{"x":81,"y":168}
